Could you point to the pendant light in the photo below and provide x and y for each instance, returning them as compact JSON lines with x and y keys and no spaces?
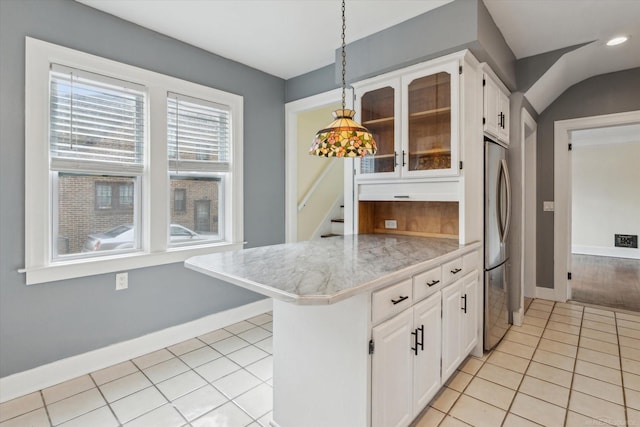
{"x":343,"y":137}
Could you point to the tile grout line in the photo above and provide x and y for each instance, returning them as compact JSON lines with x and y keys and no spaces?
{"x":573,"y":373}
{"x":524,"y":374}
{"x":45,"y":406}
{"x":624,"y":393}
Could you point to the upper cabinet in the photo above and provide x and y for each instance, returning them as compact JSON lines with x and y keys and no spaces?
{"x":414,"y":119}
{"x":496,"y":106}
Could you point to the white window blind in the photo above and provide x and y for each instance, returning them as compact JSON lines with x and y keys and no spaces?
{"x":198,"y":135}
{"x":96,"y":123}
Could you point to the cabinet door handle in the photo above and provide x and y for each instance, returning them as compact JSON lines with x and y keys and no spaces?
{"x":435,"y":282}
{"x":421,"y":342}
{"x":399,"y":300}
{"x":403,"y":161}
{"x":456,"y":270}
{"x":464,"y":308}
{"x":395,"y":158}
{"x":415,"y":342}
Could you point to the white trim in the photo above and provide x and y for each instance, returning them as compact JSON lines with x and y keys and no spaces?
{"x":292,"y":109}
{"x":529,"y":184}
{"x":562,"y":190}
{"x":38,"y":265}
{"x":548,"y":294}
{"x":59,"y":371}
{"x":632,"y":253}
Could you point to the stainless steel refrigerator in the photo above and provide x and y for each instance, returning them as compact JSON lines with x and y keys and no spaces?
{"x":497,"y":218}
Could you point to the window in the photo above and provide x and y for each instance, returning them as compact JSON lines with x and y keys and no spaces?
{"x":104,"y":198}
{"x":179,"y":200}
{"x":114,"y":195}
{"x":199,"y":144}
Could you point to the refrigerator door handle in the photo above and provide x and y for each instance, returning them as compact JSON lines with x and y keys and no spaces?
{"x":499,"y":218}
{"x":507,"y":180}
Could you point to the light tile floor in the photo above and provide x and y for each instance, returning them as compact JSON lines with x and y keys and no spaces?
{"x":221,"y":379}
{"x":566,"y":365}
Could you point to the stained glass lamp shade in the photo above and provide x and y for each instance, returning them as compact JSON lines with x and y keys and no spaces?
{"x":343,"y":137}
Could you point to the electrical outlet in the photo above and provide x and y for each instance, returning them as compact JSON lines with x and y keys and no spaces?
{"x":390,"y":223}
{"x":122,"y":281}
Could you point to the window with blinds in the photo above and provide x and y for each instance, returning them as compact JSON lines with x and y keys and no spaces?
{"x":99,"y":188}
{"x":198,"y":134}
{"x":96,"y":150}
{"x":199,"y":150}
{"x":96,"y":123}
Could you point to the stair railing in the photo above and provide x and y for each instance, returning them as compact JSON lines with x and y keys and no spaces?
{"x":316,"y":184}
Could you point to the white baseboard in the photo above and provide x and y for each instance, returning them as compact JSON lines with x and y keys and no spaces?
{"x":547,"y":293}
{"x":59,"y":371}
{"x":632,"y":253}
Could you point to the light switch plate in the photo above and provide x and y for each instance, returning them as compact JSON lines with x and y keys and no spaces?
{"x":548,"y":206}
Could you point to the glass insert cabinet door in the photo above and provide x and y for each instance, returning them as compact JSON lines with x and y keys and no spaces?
{"x":378,"y":114}
{"x":429,"y":136}
{"x":414,"y":121}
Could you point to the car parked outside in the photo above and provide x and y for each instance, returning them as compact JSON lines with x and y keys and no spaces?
{"x":122,"y":237}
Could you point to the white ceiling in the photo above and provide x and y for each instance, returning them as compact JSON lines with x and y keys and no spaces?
{"x":287,"y":38}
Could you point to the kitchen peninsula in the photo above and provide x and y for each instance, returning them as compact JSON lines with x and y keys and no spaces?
{"x":334,"y":301}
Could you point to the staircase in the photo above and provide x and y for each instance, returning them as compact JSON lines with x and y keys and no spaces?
{"x":337,"y":225}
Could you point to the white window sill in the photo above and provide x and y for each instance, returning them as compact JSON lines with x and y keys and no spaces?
{"x":117,"y":263}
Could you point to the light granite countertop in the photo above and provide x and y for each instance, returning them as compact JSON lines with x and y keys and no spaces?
{"x":328,"y":270}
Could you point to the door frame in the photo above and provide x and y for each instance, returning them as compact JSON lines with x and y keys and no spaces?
{"x":562,"y":190}
{"x":292,"y":110}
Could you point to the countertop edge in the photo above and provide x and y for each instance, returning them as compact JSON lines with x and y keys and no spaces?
{"x":386,"y":280}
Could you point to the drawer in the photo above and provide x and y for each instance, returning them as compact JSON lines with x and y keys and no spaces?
{"x":390,"y":301}
{"x":452,"y":271}
{"x":425,"y":284}
{"x":470,"y":262}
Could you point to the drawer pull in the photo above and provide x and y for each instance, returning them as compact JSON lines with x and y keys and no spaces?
{"x":401,"y":197}
{"x":435,"y":282}
{"x":456,"y":270}
{"x":399,"y":300}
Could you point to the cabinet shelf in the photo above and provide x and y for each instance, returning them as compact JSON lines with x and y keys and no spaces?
{"x":427,"y":113}
{"x":383,"y":120}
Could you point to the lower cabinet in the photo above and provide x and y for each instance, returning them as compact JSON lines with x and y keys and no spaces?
{"x":406,"y":364}
{"x":459,"y":322}
{"x":417,"y":350}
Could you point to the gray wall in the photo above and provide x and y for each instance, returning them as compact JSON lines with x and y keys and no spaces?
{"x":604,"y":94}
{"x":461,"y":24}
{"x":46,"y":322}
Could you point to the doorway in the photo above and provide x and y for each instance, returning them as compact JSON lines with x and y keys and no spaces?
{"x":308,"y":204}
{"x":596,"y":198}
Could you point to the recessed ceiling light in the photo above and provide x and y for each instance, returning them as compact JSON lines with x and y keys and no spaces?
{"x":617,"y":40}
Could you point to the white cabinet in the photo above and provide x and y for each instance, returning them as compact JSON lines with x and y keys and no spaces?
{"x":417,"y":350}
{"x":405,"y":365}
{"x":392,"y":372}
{"x":426,"y":363}
{"x":459,"y":322}
{"x":413,"y":115}
{"x":469,"y":333}
{"x":496,"y":107}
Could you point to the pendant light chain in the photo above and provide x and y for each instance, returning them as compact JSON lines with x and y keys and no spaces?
{"x":344,"y":137}
{"x":344,"y":56}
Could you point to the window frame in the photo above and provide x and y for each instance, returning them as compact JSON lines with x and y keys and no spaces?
{"x":40,"y":267}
